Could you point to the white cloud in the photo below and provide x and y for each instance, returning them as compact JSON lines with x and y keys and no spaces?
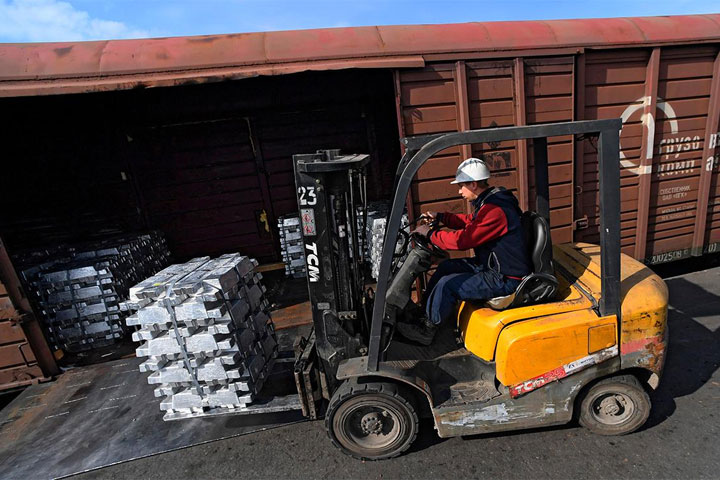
{"x":56,"y":21}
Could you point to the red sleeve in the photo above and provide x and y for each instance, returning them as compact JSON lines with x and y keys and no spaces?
{"x":489,"y":224}
{"x":456,"y":220}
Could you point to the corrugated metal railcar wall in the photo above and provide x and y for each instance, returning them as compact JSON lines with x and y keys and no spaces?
{"x":668,"y":98}
{"x":18,"y":365}
{"x":200,"y":185}
{"x":24,"y":354}
{"x":214,"y":175}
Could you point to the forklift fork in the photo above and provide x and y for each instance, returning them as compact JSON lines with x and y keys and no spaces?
{"x":309,"y":380}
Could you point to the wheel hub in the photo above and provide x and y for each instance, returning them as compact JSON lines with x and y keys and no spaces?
{"x":372,"y":423}
{"x":611,"y":405}
{"x":613,"y":408}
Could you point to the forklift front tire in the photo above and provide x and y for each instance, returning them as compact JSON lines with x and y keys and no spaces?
{"x":615,"y":406}
{"x":371,"y":421}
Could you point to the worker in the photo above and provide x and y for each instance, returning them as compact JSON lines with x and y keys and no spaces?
{"x":495,"y":233}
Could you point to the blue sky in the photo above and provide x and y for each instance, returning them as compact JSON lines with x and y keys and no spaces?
{"x":73,"y":20}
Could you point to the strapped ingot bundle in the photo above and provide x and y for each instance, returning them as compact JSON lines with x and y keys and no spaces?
{"x":206,"y":332}
{"x":77,"y":289}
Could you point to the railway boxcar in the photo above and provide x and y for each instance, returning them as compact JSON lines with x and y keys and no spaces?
{"x":220,"y":108}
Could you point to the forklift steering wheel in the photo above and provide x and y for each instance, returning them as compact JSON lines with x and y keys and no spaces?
{"x":425,"y":244}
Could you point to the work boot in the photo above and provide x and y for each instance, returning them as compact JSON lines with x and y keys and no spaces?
{"x":421,"y":332}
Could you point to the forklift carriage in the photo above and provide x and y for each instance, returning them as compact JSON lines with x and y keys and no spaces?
{"x":583,"y":336}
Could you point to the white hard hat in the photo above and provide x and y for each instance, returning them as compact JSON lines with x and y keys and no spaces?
{"x":472,"y":170}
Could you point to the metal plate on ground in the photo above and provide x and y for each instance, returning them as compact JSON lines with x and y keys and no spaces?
{"x":102,"y":415}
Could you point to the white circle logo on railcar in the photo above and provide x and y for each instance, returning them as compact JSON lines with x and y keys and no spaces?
{"x":648,"y":121}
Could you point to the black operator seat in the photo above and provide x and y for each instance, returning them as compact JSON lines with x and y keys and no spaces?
{"x":541,"y":284}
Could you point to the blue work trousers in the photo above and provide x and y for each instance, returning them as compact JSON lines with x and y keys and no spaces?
{"x":462,"y":279}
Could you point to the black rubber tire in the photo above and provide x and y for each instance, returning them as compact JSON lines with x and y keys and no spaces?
{"x":357,"y":406}
{"x":626,"y":408}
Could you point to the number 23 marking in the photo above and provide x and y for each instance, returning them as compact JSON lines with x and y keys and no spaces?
{"x":307,"y":195}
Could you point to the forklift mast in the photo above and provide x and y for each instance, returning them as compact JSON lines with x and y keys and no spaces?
{"x":330,"y":188}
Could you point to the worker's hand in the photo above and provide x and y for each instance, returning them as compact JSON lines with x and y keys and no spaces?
{"x":422,"y":230}
{"x":428,"y":218}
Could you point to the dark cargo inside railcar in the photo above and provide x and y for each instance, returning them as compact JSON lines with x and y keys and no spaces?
{"x":207,"y":168}
{"x":188,"y":160}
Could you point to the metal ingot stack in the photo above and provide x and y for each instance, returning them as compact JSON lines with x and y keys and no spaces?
{"x":377,"y":223}
{"x":206,"y":332}
{"x":291,"y":246}
{"x":374,"y":210}
{"x":80,"y":307}
{"x":78,"y":289}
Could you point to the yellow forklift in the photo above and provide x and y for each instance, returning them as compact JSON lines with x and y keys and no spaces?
{"x":584,"y":336}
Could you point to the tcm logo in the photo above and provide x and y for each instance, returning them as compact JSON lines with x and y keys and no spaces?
{"x":313,"y":263}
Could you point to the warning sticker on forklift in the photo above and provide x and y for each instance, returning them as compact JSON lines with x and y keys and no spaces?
{"x":562,"y":372}
{"x":308,"y":221}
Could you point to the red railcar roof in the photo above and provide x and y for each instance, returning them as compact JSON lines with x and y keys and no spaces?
{"x":73,"y":67}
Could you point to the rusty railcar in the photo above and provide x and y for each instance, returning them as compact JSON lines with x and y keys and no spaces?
{"x":25,"y":358}
{"x":660,"y":74}
{"x":667,"y":97}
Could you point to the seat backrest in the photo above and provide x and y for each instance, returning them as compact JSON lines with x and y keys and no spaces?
{"x":540,"y":285}
{"x":537,"y":235}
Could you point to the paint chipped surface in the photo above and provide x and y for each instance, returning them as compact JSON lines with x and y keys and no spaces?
{"x":563,"y":371}
{"x":493,"y":414}
{"x":647,"y":353}
{"x":73,"y":67}
{"x":497,"y":414}
{"x":644,"y":325}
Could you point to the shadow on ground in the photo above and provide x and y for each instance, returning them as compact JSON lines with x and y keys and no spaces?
{"x":694,"y":350}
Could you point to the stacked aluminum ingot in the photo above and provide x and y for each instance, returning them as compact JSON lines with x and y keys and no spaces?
{"x":362,"y":228}
{"x":291,"y":246}
{"x":376,"y":209}
{"x":78,"y":289}
{"x":80,"y":306}
{"x":207,"y":333}
{"x":374,"y":232}
{"x":376,"y":226}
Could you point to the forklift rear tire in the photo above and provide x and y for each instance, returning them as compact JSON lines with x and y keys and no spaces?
{"x":615,"y":406}
{"x":371,"y":421}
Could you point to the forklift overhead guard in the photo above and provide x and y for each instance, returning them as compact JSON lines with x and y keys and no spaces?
{"x":585,"y":333}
